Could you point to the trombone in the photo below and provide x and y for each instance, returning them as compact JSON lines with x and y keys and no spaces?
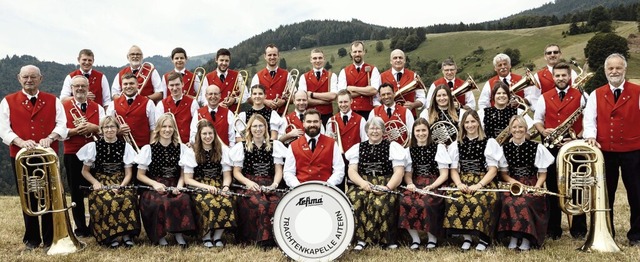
{"x":128,"y":137}
{"x":334,"y":132}
{"x":146,"y":69}
{"x":290,"y":89}
{"x":199,"y":72}
{"x":238,"y":90}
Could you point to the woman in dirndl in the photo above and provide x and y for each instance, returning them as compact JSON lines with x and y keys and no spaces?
{"x":524,"y":218}
{"x":443,"y":109}
{"x":114,"y":212}
{"x":164,"y":208}
{"x":427,"y":168}
{"x":257,"y":164}
{"x":474,"y":166}
{"x":375,"y":166}
{"x":208,"y":167}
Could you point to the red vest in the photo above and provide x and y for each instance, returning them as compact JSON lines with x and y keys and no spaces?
{"x":316,"y":165}
{"x":293,"y":119}
{"x":319,"y":86}
{"x":514,"y":79}
{"x":74,"y":143}
{"x":407,"y":77}
{"x":557,"y":111}
{"x":545,"y":78}
{"x":273,"y":85}
{"x":457,"y":82}
{"x":225,"y":88}
{"x":361,"y":103}
{"x":95,"y":84}
{"x":399,"y":113}
{"x":349,"y":133}
{"x":617,"y":122}
{"x":221,"y":124}
{"x":135,"y":115}
{"x":147,"y":89}
{"x":32,"y":122}
{"x":187,"y":79}
{"x":182,"y":112}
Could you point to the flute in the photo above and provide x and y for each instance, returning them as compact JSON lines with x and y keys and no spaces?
{"x":110,"y":187}
{"x":428,"y":192}
{"x":479,"y":190}
{"x":384,"y":190}
{"x":204,"y":190}
{"x":262,"y":188}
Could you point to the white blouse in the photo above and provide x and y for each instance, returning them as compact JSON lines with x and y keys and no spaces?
{"x":543,"y":160}
{"x":188,"y":160}
{"x":275,"y":123}
{"x":236,"y":154}
{"x":442,"y":158}
{"x":396,"y":154}
{"x":492,"y":153}
{"x":87,"y":154}
{"x":143,"y":159}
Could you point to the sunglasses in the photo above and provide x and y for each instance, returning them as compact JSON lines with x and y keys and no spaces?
{"x":552,"y":52}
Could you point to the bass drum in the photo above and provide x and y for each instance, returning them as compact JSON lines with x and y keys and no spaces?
{"x":314,"y":222}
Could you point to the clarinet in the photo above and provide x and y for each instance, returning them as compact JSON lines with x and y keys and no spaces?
{"x":428,"y":192}
{"x":265,"y":189}
{"x":110,"y":187}
{"x":203,"y":190}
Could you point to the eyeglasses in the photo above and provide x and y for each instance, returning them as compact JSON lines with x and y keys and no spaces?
{"x":109,"y":127}
{"x":135,"y":54}
{"x":79,"y":85}
{"x":552,"y":52}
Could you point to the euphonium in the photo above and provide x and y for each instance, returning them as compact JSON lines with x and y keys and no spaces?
{"x":396,"y":130}
{"x":146,"y":69}
{"x":333,"y":131}
{"x":410,"y":87}
{"x":200,"y":73}
{"x":469,"y":85}
{"x":128,"y":137}
{"x":39,"y":181}
{"x":527,"y":80}
{"x":79,"y":119}
{"x":290,"y":89}
{"x":581,"y":171}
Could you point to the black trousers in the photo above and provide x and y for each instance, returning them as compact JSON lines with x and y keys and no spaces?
{"x":625,"y":165}
{"x":73,"y":166}
{"x":364,"y":114}
{"x":31,"y":223}
{"x":325,"y":118}
{"x":579,"y":222}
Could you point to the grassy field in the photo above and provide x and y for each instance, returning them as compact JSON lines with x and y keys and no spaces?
{"x":11,"y":248}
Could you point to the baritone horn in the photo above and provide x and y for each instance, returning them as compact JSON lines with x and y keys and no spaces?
{"x":333,"y":131}
{"x":128,"y":137}
{"x":146,"y":69}
{"x":469,"y":85}
{"x":41,"y":192}
{"x":290,"y":89}
{"x":581,"y":173}
{"x":79,"y":119}
{"x":200,"y":73}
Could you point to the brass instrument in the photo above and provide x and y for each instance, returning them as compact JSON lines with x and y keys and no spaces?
{"x":238,"y":90}
{"x":505,"y":134}
{"x":527,"y":80}
{"x":517,"y":189}
{"x":200,"y":73}
{"x":581,"y":170}
{"x":428,"y":192}
{"x":290,"y":126}
{"x":558,"y":133}
{"x":79,"y":119}
{"x":444,"y":132}
{"x":469,"y":85}
{"x":290,"y":89}
{"x":146,"y":69}
{"x":410,"y":87}
{"x":128,"y":137}
{"x":334,"y":132}
{"x":39,"y":181}
{"x":240,"y":127}
{"x":396,"y":130}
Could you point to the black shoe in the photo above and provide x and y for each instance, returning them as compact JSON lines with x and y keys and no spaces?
{"x":634,"y":243}
{"x":431,"y":246}
{"x":554,"y":236}
{"x":30,"y":246}
{"x":578,"y":235}
{"x":415,"y":246}
{"x":82,"y":232}
{"x":184,"y":246}
{"x":114,"y":244}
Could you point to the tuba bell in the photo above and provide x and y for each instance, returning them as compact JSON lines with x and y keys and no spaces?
{"x":39,"y":181}
{"x":581,"y":172}
{"x":469,"y":85}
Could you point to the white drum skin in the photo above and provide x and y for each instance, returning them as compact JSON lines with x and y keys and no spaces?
{"x":314,"y":222}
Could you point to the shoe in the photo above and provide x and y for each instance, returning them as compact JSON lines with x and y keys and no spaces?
{"x":207,"y":243}
{"x":554,"y":236}
{"x":414,"y":246}
{"x":466,"y":245}
{"x":359,"y":247}
{"x":392,"y":246}
{"x":482,"y":246}
{"x":184,"y":246}
{"x":129,"y":243}
{"x":218,"y":243}
{"x":520,"y":249}
{"x":578,"y":235}
{"x":82,"y":233}
{"x":114,"y":244}
{"x":30,"y":246}
{"x":431,"y":245}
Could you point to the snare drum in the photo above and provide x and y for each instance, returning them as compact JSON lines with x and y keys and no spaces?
{"x":314,"y":221}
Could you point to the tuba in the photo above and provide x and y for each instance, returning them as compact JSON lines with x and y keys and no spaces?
{"x":79,"y":119}
{"x":396,"y":130}
{"x":333,"y":131}
{"x":200,"y":73}
{"x":39,"y":181}
{"x":290,"y":89}
{"x":469,"y":85}
{"x":146,"y":69}
{"x":581,"y":170}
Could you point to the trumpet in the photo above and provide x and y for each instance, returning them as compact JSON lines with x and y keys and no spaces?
{"x":238,"y":90}
{"x":290,"y":127}
{"x":128,"y":137}
{"x":334,"y":132}
{"x":469,"y":85}
{"x":79,"y":119}
{"x":428,"y":192}
{"x":199,"y":72}
{"x":146,"y":69}
{"x":290,"y":89}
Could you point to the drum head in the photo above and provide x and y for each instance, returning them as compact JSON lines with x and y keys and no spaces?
{"x":314,"y":222}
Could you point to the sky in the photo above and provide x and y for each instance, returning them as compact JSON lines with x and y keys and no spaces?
{"x":56,"y":30}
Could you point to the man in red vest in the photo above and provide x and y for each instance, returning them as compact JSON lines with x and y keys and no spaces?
{"x":502,"y":66}
{"x":153,"y":89}
{"x":221,"y":117}
{"x":80,"y":133}
{"x":191,"y":82}
{"x":555,"y":106}
{"x":273,"y":78}
{"x":351,"y":125}
{"x":390,"y":111}
{"x":611,"y":123}
{"x":30,"y":118}
{"x":544,"y":76}
{"x":361,"y":79}
{"x":99,"y":90}
{"x":137,"y":111}
{"x":399,"y":76}
{"x":449,"y":71}
{"x":321,"y":86}
{"x":313,"y":157}
{"x":183,"y":107}
{"x":225,"y":79}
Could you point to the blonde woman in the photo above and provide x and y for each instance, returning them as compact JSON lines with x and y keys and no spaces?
{"x":443,"y":108}
{"x":275,"y":126}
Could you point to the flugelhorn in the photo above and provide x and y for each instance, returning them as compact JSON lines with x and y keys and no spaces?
{"x":200,"y":73}
{"x":146,"y":69}
{"x":333,"y":131}
{"x":79,"y":119}
{"x":290,"y":89}
{"x":468,"y":86}
{"x":128,"y":137}
{"x":39,"y":182}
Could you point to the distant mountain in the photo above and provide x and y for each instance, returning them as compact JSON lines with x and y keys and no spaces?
{"x":565,"y":7}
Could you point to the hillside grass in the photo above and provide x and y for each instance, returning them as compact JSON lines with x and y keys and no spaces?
{"x":459,"y":45}
{"x":563,"y":249}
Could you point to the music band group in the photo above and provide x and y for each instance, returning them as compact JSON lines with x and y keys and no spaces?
{"x":201,"y":166}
